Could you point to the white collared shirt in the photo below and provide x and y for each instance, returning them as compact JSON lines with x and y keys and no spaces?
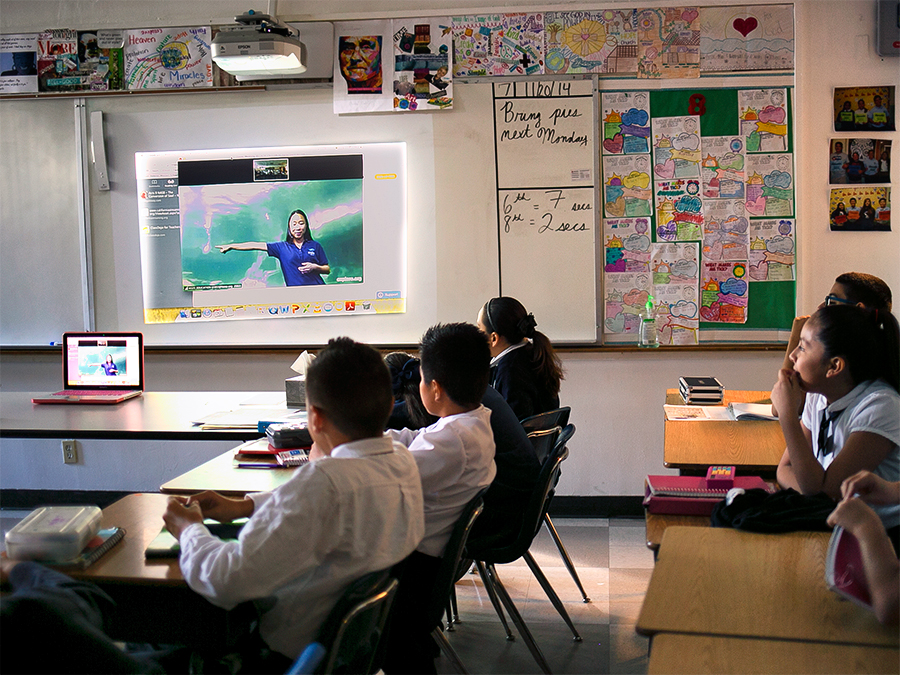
{"x":511,"y":348}
{"x":336,"y":519}
{"x":455,"y":456}
{"x":872,"y":406}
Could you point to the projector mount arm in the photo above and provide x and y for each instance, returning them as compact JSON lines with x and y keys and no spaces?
{"x":264,"y":23}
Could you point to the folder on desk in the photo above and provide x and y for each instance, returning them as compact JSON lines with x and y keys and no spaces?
{"x":844,"y":571}
{"x":689,"y":495}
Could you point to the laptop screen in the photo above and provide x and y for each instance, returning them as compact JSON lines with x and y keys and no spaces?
{"x":103,"y":360}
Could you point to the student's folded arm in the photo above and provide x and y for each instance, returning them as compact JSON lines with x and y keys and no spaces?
{"x":288,"y":535}
{"x":799,"y":468}
{"x":863,"y":450}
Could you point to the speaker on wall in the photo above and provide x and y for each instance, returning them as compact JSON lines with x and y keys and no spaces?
{"x":887,"y":28}
{"x":98,"y":151}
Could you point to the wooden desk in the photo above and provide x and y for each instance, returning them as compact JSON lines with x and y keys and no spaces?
{"x":715,"y":581}
{"x":676,"y":654}
{"x":752,"y":446}
{"x":221,"y":475}
{"x":156,"y":415}
{"x":154,"y":603}
{"x":655,"y":525}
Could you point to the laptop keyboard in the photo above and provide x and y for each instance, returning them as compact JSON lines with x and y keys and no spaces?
{"x":106,"y":393}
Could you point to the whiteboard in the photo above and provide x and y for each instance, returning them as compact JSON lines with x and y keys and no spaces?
{"x":546,"y":200}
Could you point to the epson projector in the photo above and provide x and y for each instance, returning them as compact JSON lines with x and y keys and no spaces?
{"x":265,"y":49}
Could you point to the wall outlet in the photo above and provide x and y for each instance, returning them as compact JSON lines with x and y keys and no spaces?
{"x":70,"y":452}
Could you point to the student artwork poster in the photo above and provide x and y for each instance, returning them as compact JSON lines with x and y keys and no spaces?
{"x":854,"y":209}
{"x":625,"y":297}
{"x":626,"y":122}
{"x":422,"y":73}
{"x":363,"y":71}
{"x":18,"y":63}
{"x":864,"y":108}
{"x":679,"y":210}
{"x":626,"y":185}
{"x":668,"y":42}
{"x":722,"y":167}
{"x":763,"y":119}
{"x":859,"y":160}
{"x":498,"y":44}
{"x":272,"y":232}
{"x":675,"y":272}
{"x":600,"y":41}
{"x":726,"y":228}
{"x":772,"y":250}
{"x":749,"y":37}
{"x":168,"y":58}
{"x":724,"y":292}
{"x":770,"y":185}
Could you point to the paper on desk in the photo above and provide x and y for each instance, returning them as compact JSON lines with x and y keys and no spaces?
{"x":301,"y":364}
{"x":697,"y":413}
{"x":248,"y":417}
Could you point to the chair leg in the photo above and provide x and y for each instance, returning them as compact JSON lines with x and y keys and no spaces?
{"x":448,"y":651}
{"x":517,"y":619}
{"x":495,"y":601}
{"x":554,"y":598}
{"x":565,"y":556}
{"x":454,"y":607}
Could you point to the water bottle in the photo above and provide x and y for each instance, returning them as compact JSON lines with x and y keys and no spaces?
{"x":649,"y":337}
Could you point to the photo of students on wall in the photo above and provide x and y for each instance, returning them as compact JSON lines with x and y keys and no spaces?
{"x":857,"y":209}
{"x":864,"y":108}
{"x":859,"y":160}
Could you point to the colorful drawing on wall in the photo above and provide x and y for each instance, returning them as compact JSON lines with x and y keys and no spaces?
{"x":70,"y":60}
{"x":626,"y":185}
{"x":498,"y":44}
{"x":601,"y":41}
{"x":750,"y":37}
{"x":422,"y":78}
{"x":763,"y":119}
{"x":864,"y":108}
{"x":859,"y":160}
{"x":679,"y":210}
{"x":723,"y":292}
{"x":772,"y":250}
{"x":625,"y":296}
{"x":627,"y":244}
{"x":722,"y":167}
{"x":726,"y":231}
{"x":668,"y":42}
{"x":854,"y":209}
{"x":770,"y":185}
{"x":626,"y":122}
{"x":675,"y":269}
{"x":676,"y":147}
{"x":168,"y":58}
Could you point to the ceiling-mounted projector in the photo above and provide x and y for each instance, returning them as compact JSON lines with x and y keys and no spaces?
{"x":260,"y":48}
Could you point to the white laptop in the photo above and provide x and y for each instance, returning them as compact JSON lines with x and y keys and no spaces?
{"x":100,"y":368}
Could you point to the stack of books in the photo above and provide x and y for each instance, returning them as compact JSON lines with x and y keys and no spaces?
{"x":701,"y":390}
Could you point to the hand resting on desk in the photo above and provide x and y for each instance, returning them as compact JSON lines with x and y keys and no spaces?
{"x":182,"y":511}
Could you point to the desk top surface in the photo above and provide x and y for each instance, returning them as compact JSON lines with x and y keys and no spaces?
{"x":757,"y":444}
{"x":716,"y":581}
{"x":156,"y":414}
{"x":675,"y":654}
{"x":141,"y":516}
{"x":221,"y":475}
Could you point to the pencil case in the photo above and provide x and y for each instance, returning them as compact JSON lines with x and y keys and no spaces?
{"x":53,"y":533}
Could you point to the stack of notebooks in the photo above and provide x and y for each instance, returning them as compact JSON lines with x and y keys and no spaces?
{"x":260,"y":454}
{"x":700,"y":390}
{"x":691,"y":495}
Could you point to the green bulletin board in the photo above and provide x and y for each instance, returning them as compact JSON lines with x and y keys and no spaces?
{"x":770,"y":304}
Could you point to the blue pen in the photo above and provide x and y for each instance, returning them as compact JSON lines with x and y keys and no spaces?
{"x":257,"y":465}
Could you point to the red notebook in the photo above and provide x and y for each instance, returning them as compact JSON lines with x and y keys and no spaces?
{"x":689,"y":496}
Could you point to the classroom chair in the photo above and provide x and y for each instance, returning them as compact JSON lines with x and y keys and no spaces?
{"x":486,"y":554}
{"x":349,"y":639}
{"x":547,"y":420}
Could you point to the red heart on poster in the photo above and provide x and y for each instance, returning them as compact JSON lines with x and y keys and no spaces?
{"x":745,"y":26}
{"x":614,"y":144}
{"x":710,"y":313}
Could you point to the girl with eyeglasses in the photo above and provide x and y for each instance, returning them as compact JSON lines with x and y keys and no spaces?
{"x":524,"y":367}
{"x":847,"y":368}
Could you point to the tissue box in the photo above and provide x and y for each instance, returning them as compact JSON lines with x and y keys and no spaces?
{"x":295,"y":392}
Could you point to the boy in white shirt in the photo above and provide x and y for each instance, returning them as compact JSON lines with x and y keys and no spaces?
{"x":355,"y":508}
{"x":455,"y":456}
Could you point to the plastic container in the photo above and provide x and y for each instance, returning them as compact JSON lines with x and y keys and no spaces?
{"x":53,"y":533}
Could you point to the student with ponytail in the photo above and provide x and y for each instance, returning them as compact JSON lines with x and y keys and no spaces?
{"x":524,"y":368}
{"x":847,"y":365}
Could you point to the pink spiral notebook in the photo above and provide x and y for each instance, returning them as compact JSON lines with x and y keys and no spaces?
{"x":689,"y":496}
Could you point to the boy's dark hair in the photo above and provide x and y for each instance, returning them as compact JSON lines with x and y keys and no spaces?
{"x":457,"y":355}
{"x":867,"y":289}
{"x":349,"y":382}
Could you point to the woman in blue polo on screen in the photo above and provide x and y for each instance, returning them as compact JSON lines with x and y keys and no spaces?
{"x":303,"y":260}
